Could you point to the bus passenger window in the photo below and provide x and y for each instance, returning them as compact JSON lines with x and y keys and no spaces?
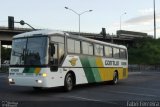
{"x":90,"y":49}
{"x":98,"y":50}
{"x":115,"y":52}
{"x":58,"y":39}
{"x":77,"y":46}
{"x":84,"y":48}
{"x":61,"y":52}
{"x":108,"y":51}
{"x":123,"y":54}
{"x":54,"y":55}
{"x":87,"y":48}
{"x":70,"y":44}
{"x":73,"y":46}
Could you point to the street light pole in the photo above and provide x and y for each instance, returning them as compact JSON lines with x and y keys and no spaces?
{"x":23,"y":23}
{"x":79,"y":15}
{"x":154,"y":19}
{"x":121,"y":19}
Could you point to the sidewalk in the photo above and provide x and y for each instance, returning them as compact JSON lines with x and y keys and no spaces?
{"x":133,"y":73}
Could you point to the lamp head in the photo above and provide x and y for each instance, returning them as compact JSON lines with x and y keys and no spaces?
{"x":66,"y":7}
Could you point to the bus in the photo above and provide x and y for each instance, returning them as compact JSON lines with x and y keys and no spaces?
{"x":49,"y":58}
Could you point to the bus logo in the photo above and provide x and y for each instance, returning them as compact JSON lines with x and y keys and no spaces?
{"x":73,"y":61}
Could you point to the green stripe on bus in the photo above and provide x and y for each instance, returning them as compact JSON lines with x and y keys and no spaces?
{"x":95,"y":71}
{"x":28,"y":70}
{"x":88,"y":71}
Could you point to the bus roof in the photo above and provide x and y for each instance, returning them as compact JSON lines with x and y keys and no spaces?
{"x":38,"y":32}
{"x":51,"y":32}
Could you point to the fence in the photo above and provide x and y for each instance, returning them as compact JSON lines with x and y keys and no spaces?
{"x":143,"y":68}
{"x":4,"y":68}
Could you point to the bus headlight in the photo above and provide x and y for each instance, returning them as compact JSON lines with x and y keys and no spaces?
{"x":39,"y":81}
{"x":44,"y":74}
{"x":10,"y":80}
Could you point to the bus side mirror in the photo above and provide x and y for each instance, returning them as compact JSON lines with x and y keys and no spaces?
{"x":52,"y":49}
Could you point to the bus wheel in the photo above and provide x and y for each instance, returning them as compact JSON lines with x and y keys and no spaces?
{"x":115,"y":78}
{"x":68,"y":83}
{"x":37,"y":88}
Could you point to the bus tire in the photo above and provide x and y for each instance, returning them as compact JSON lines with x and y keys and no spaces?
{"x":69,"y":82}
{"x":115,"y":78}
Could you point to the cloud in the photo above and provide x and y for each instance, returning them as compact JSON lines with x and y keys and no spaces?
{"x":144,"y":20}
{"x":139,"y":19}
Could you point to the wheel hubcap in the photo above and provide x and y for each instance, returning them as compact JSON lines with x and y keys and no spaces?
{"x":69,"y":82}
{"x":115,"y":78}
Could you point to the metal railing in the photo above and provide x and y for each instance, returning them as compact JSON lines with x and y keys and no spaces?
{"x":143,"y":68}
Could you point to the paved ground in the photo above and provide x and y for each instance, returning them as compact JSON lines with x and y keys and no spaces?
{"x":138,"y":87}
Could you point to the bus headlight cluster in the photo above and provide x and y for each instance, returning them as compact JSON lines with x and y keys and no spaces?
{"x":44,"y":74}
{"x":11,"y":80}
{"x":39,"y":81}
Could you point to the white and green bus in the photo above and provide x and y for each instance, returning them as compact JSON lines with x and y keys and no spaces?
{"x":48,"y":58}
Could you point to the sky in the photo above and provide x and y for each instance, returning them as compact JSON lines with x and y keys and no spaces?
{"x":51,"y":14}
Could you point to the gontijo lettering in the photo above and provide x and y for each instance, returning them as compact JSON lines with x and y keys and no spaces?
{"x":108,"y":62}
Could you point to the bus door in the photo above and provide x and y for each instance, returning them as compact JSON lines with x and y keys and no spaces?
{"x":54,"y":59}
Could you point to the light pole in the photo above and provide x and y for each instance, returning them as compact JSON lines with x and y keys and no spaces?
{"x":121,"y":19}
{"x":154,"y":19}
{"x":79,"y":15}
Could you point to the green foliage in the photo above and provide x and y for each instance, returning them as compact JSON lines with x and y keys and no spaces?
{"x":5,"y":53}
{"x":145,"y":51}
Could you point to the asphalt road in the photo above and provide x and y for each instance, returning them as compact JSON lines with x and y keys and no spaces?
{"x":138,"y":87}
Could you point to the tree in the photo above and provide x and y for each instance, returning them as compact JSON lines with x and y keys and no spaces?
{"x":5,"y":53}
{"x":145,"y":51}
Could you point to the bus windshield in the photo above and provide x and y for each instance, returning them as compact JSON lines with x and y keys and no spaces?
{"x":29,"y":51}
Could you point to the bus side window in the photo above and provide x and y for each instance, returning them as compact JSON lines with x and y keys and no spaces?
{"x":90,"y":49}
{"x":115,"y":52}
{"x":58,"y":39}
{"x":123,"y":54}
{"x":87,"y":48}
{"x":77,"y":46}
{"x":54,"y":54}
{"x":98,"y":50}
{"x":108,"y":51}
{"x":70,"y":45}
{"x":61,"y":52}
{"x":53,"y":59}
{"x":84,"y":47}
{"x":73,"y":46}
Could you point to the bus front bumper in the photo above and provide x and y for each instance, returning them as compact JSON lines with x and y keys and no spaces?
{"x":28,"y":81}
